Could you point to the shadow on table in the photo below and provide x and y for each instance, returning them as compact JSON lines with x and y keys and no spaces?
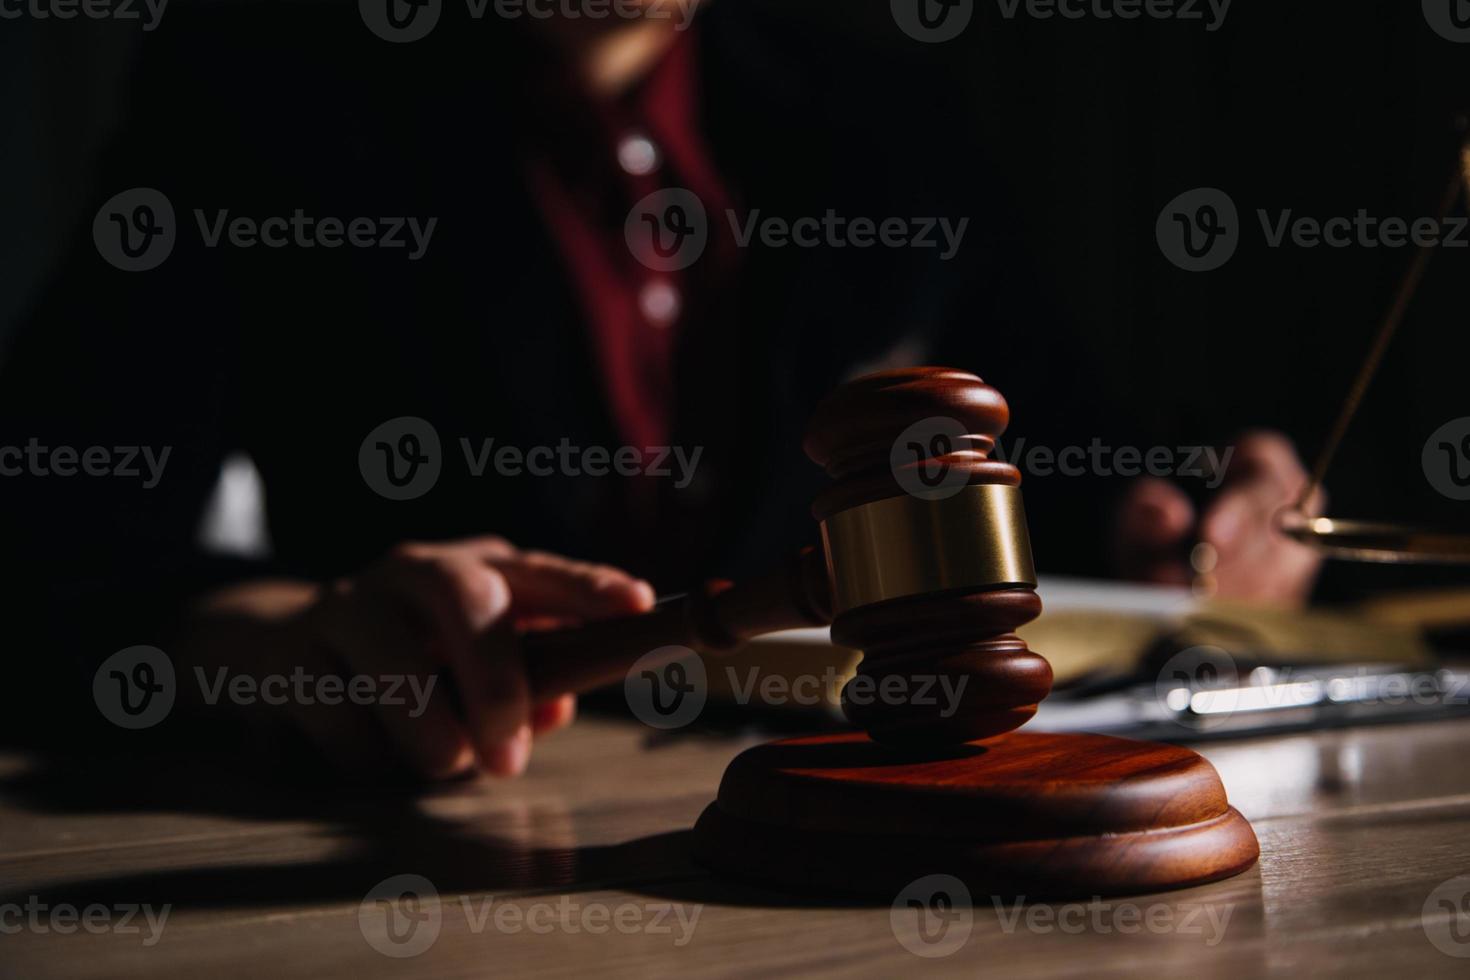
{"x":378,"y":834}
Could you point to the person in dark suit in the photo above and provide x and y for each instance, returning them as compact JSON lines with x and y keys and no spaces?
{"x":394,"y":259}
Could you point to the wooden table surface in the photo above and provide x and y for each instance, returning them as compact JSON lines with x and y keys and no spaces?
{"x":581,"y":868}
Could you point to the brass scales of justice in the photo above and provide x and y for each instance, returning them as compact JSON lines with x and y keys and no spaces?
{"x":1372,"y":541}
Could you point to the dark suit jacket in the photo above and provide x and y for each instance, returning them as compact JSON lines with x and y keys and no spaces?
{"x":294,"y":355}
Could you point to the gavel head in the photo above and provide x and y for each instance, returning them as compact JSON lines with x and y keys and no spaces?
{"x":928,"y":557}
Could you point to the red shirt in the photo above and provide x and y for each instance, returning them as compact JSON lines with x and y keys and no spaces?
{"x":591,"y":162}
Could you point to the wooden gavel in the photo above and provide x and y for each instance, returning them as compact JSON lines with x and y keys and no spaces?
{"x":925,"y":566}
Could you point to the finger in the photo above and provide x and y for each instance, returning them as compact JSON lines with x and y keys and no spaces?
{"x":490,"y":547}
{"x":504,"y":743}
{"x":544,"y":584}
{"x":459,"y":598}
{"x":556,"y":713}
{"x":374,"y":639}
{"x":345,"y":735}
{"x":1263,"y":478}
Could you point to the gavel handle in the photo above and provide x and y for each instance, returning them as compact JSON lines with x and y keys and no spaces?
{"x":718,"y":617}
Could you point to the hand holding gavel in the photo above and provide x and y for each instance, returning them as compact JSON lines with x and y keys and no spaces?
{"x":929,"y":577}
{"x":929,"y":586}
{"x":439,"y":614}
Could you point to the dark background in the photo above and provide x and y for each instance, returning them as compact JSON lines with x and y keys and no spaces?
{"x":1089,"y":128}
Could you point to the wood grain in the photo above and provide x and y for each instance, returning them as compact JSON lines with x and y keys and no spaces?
{"x":1357,"y":828}
{"x":1031,"y":814}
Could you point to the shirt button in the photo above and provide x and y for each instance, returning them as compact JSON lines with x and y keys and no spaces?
{"x":660,"y":303}
{"x":637,"y":155}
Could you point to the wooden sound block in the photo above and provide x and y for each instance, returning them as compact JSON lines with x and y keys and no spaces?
{"x":1033,"y":815}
